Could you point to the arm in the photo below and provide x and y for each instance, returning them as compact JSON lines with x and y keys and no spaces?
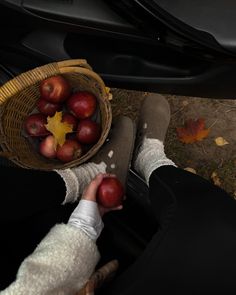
{"x":61,"y":264}
{"x":65,"y":259}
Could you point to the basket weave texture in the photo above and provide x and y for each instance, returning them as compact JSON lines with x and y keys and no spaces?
{"x":18,"y":98}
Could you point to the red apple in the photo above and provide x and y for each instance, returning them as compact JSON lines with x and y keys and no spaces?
{"x":55,"y":89}
{"x":35,"y":125}
{"x":48,"y":108}
{"x":88,"y":131}
{"x":82,"y":104}
{"x":69,"y":151}
{"x":110,"y":192}
{"x":70,"y":119}
{"x":47,"y":147}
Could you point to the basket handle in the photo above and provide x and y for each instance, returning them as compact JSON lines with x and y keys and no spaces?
{"x":74,"y":63}
{"x":35,"y":75}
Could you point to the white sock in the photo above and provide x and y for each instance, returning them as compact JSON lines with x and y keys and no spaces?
{"x":151,"y":156}
{"x":77,"y":178}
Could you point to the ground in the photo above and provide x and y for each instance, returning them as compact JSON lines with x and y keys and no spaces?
{"x":205,"y":157}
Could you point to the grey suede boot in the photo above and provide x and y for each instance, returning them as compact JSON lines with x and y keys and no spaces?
{"x":153,"y":122}
{"x":114,"y":157}
{"x":117,"y":151}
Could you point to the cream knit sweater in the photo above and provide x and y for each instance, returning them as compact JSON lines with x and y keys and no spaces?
{"x":61,"y":264}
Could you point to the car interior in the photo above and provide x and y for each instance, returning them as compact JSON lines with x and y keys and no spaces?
{"x":154,"y":46}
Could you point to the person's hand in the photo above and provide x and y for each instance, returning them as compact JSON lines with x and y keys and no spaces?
{"x":90,"y":193}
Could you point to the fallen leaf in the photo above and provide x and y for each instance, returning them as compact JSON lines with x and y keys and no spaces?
{"x":215,"y":178}
{"x":192,"y":170}
{"x":58,"y":128}
{"x":192,"y":131}
{"x":220,"y":141}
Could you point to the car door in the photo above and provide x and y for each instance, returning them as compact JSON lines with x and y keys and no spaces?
{"x":127,"y":54}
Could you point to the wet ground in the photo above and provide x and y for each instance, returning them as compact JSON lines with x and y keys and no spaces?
{"x":209,"y":160}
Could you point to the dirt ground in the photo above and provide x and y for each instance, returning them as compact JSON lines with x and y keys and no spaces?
{"x":213,"y":162}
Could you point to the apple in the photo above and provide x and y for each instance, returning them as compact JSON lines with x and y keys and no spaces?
{"x":35,"y":125}
{"x":55,"y":89}
{"x":48,"y":108}
{"x":82,"y":104}
{"x":69,"y":151}
{"x":110,"y":192}
{"x":88,"y":131}
{"x":70,"y":119}
{"x":47,"y":147}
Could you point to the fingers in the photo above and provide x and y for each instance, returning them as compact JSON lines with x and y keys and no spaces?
{"x":91,"y":190}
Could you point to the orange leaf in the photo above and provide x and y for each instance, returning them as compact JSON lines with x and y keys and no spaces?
{"x":58,"y":128}
{"x":192,"y":131}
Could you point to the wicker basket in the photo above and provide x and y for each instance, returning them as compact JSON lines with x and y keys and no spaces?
{"x":18,"y":99}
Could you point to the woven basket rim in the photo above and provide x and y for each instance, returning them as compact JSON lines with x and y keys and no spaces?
{"x":29,"y":79}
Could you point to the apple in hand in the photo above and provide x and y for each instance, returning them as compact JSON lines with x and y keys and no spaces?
{"x":69,"y":151}
{"x":35,"y":125}
{"x":88,"y":131}
{"x":48,"y":108}
{"x":82,"y":104}
{"x":70,"y":119}
{"x":55,"y":89}
{"x":47,"y":147}
{"x":110,"y":192}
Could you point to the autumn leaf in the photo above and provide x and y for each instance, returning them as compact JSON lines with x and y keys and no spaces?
{"x":58,"y":128}
{"x":220,"y":141}
{"x":192,"y":131}
{"x":215,"y":178}
{"x":190,"y":169}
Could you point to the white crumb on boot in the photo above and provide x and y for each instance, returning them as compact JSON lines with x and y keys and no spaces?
{"x":110,"y":154}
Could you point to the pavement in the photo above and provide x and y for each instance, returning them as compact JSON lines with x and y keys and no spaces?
{"x":216,"y":163}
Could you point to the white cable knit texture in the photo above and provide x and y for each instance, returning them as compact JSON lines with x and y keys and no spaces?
{"x":77,"y":178}
{"x":60,"y":265}
{"x":151,"y":156}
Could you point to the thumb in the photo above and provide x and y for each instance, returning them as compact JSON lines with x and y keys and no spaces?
{"x":91,"y":190}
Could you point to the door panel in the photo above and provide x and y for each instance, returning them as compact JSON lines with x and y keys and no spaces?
{"x":124,"y":56}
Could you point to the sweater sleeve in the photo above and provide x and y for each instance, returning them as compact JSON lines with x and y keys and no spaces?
{"x":61,"y":264}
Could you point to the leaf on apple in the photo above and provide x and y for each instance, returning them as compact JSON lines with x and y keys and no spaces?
{"x":192,"y":131}
{"x":58,"y":128}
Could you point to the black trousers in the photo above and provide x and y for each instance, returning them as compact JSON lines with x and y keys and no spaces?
{"x":193,"y":249}
{"x":186,"y":242}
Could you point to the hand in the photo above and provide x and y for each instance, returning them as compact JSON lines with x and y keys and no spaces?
{"x":90,"y":193}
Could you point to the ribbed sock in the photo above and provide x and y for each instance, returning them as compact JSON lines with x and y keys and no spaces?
{"x":77,"y":178}
{"x":150,"y":156}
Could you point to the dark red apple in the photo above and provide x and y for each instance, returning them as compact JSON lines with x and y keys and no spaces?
{"x":55,"y":89}
{"x":88,"y":131}
{"x":69,"y":151}
{"x":110,"y":192}
{"x":35,"y":125}
{"x":47,"y":147}
{"x":48,"y":108}
{"x":70,"y":119}
{"x":82,"y":104}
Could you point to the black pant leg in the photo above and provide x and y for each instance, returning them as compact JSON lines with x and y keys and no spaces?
{"x":193,"y":251}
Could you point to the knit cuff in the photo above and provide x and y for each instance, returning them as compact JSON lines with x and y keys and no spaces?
{"x":72,"y":185}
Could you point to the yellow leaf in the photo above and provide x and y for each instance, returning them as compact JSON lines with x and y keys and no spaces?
{"x":192,"y":170}
{"x":215,"y":178}
{"x":220,"y":141}
{"x":58,"y":128}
